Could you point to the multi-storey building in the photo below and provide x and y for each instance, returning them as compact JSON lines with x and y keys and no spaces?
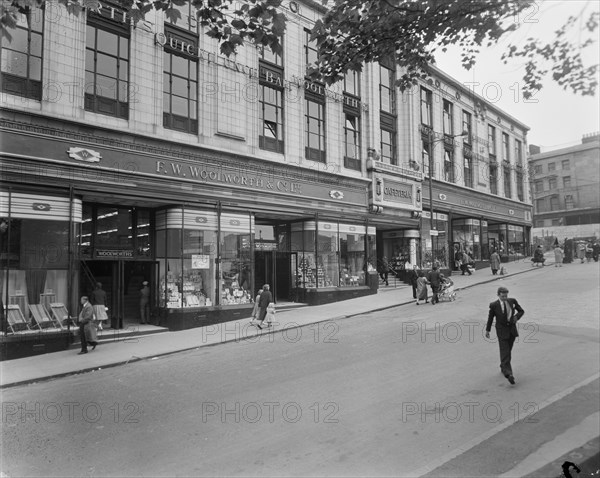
{"x":141,"y":153}
{"x":478,"y":187}
{"x":566,"y":190}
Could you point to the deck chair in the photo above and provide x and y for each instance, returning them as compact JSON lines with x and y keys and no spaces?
{"x":61,"y":315}
{"x":41,"y":318}
{"x":16,"y":321}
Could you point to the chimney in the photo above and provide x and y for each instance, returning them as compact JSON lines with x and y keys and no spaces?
{"x":590,"y":137}
{"x":533,"y":149}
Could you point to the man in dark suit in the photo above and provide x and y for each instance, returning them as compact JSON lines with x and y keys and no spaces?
{"x":507,"y":312}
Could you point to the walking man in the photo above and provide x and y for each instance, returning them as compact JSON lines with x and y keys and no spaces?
{"x":434,"y":279}
{"x":503,"y":310}
{"x":263,"y":302}
{"x":85,"y":320}
{"x":145,"y":303}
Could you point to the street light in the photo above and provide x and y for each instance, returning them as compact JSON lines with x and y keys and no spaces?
{"x":432,"y":142}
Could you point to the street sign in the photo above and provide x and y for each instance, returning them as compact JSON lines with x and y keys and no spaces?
{"x":433,"y":232}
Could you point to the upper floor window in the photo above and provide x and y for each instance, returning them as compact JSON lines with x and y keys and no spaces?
{"x":467,"y":126}
{"x":552,"y":183}
{"x":569,"y":202}
{"x":554,"y":203}
{"x":187,"y":17}
{"x":352,"y":142}
{"x":387,"y":80}
{"x":107,"y":66}
{"x":540,"y":205}
{"x":352,"y":83}
{"x":468,"y":172}
{"x":567,"y":182}
{"x":505,"y":147}
{"x":448,"y":113}
{"x":315,"y":130}
{"x":425,"y":151}
{"x":507,"y":182}
{"x":539,"y":186}
{"x":310,"y":50}
{"x":426,"y":100}
{"x":551,"y":167}
{"x":566,"y":165}
{"x":520,"y":189}
{"x":518,"y":151}
{"x":491,"y":139}
{"x":180,"y":85}
{"x":266,"y":54}
{"x":494,"y":179}
{"x":271,"y":119}
{"x":388,"y":146}
{"x":537,"y":169}
{"x":448,"y":165}
{"x":21,"y":60}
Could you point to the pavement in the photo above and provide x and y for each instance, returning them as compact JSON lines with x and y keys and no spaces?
{"x":128,"y":349}
{"x":23,"y":371}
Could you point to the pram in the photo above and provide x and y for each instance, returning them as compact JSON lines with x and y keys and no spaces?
{"x":447,"y":292}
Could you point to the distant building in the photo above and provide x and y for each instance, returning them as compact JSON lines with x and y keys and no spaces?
{"x":566,"y":189}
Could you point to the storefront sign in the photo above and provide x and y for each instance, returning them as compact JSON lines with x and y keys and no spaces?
{"x":397,"y":192}
{"x":113,"y":253}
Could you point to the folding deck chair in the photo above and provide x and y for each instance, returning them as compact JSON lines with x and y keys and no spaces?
{"x":61,"y":315}
{"x":16,"y":321}
{"x":41,"y":318}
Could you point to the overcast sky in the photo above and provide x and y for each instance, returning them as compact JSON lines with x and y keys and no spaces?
{"x":556,"y":118}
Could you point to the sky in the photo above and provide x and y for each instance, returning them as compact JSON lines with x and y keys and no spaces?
{"x":556,"y":118}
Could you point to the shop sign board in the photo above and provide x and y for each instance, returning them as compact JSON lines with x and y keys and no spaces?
{"x":114,"y":253}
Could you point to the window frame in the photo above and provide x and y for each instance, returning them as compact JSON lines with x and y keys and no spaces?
{"x":426,"y":102}
{"x":310,"y":153}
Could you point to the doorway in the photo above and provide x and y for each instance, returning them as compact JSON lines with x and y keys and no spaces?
{"x":122,"y":281}
{"x":274,"y":268}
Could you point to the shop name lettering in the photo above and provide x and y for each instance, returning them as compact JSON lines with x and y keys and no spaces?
{"x":197,"y":173}
{"x":399,"y":193}
{"x":478,"y":205}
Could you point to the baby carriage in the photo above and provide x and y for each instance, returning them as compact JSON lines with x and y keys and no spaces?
{"x":447,"y":292}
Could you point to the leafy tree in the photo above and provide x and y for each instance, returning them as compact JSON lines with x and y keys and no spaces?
{"x":354,"y":32}
{"x":231,"y":22}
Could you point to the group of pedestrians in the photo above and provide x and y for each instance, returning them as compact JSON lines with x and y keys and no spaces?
{"x":419,"y":282}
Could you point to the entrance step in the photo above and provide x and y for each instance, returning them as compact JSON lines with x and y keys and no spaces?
{"x":128,"y":332}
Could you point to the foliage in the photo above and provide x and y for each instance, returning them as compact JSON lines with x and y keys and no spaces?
{"x":354,"y":32}
{"x":231,"y":22}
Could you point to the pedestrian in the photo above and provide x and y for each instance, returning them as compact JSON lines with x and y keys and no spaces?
{"x":263,"y":303}
{"x":87,"y":328}
{"x":558,"y":256}
{"x":384,"y":270}
{"x":421,"y":288}
{"x":413,"y":275}
{"x":464,"y":265}
{"x":596,"y":251}
{"x":99,"y":304}
{"x":145,"y":303}
{"x":589,"y":252}
{"x":458,"y":259}
{"x":503,"y":310}
{"x":495,"y":262}
{"x":581,"y":252}
{"x":433,"y":279}
{"x":255,"y":309}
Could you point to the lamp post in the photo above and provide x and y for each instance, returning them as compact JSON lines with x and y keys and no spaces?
{"x":432,"y":142}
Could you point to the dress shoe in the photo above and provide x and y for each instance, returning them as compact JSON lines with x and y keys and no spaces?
{"x":94,"y":346}
{"x":82,"y":352}
{"x":511,"y":379}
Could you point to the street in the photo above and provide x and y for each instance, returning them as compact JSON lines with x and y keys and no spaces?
{"x":408,"y":391}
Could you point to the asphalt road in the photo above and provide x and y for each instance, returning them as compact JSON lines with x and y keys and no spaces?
{"x":402,"y":392}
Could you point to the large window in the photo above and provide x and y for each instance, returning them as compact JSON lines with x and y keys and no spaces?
{"x":180,"y":89}
{"x":567,"y":182}
{"x":566,"y":165}
{"x":426,"y":100}
{"x":505,"y":147}
{"x":448,"y":118}
{"x":315,"y":130}
{"x":271,"y":119}
{"x":518,"y":151}
{"x":552,"y":183}
{"x":520,"y":189}
{"x":310,"y":51}
{"x":554,"y":203}
{"x":425,"y":151}
{"x":468,"y":172}
{"x":467,"y":126}
{"x":352,"y":83}
{"x":539,"y":186}
{"x":266,"y":54}
{"x":507,"y":182}
{"x":352,"y":142}
{"x":448,"y":165}
{"x":551,"y":167}
{"x":493,"y":179}
{"x":569,"y":202}
{"x":22,"y":56}
{"x":107,"y":67}
{"x":540,"y":205}
{"x":492,"y":140}
{"x":387,"y":98}
{"x":388,"y":146}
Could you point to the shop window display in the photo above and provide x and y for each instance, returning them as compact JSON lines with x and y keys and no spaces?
{"x":236,"y":278}
{"x":34,"y":259}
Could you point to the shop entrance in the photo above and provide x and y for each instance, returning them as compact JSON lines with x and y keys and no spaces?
{"x":276,"y":269}
{"x":122,"y":281}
